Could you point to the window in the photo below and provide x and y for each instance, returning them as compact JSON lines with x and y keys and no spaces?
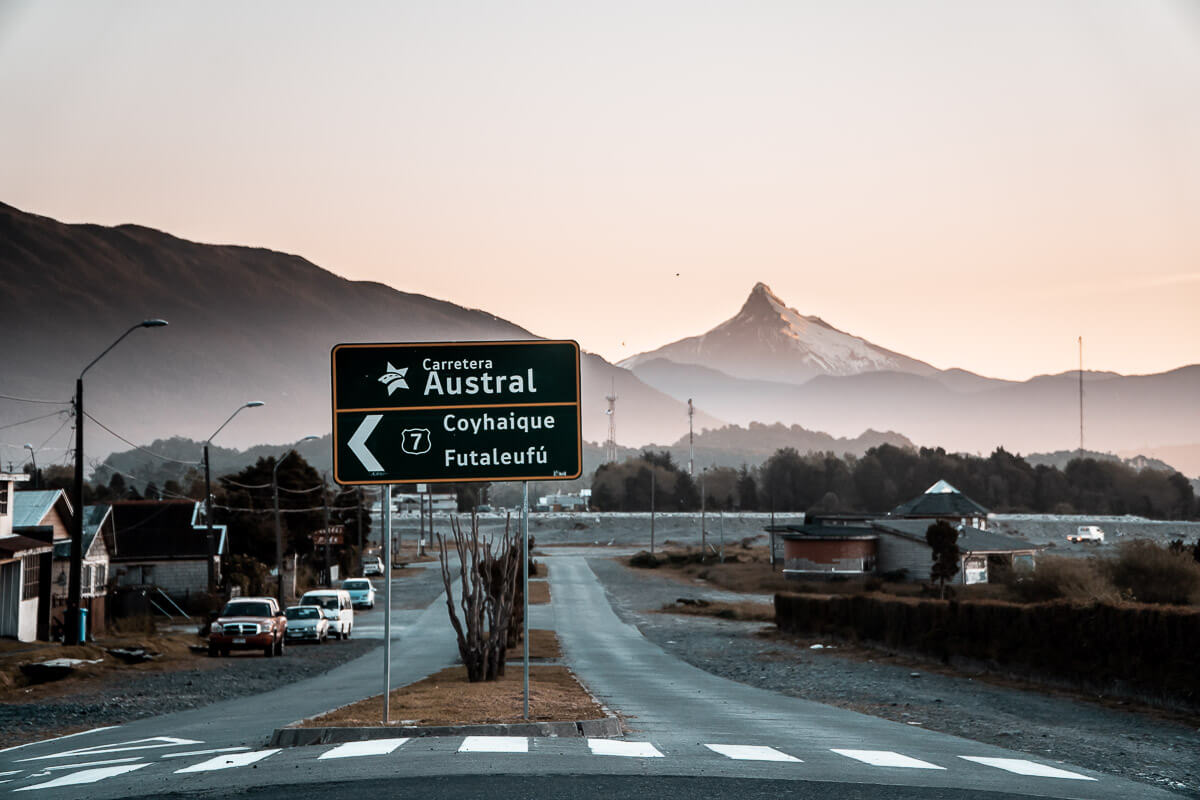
{"x":29,"y":565}
{"x":101,"y":575}
{"x":4,"y":497}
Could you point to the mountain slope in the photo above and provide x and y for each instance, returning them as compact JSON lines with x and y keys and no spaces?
{"x":245,"y":323}
{"x":767,"y":340}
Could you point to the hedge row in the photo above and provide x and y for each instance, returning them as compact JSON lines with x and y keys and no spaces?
{"x":1146,"y":648}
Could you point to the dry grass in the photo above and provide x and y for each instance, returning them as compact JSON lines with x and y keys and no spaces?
{"x":539,"y":593}
{"x":748,"y":612}
{"x":447,"y":698}
{"x":14,"y":686}
{"x":745,"y":569}
{"x":542,"y":644}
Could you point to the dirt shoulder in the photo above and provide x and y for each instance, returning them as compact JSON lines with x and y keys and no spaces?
{"x":111,"y":693}
{"x":1142,"y":745}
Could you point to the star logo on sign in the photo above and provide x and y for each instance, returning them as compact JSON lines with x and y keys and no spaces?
{"x":394,"y":378}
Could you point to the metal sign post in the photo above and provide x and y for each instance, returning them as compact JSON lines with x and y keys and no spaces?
{"x":525,"y":584}
{"x":455,"y":412}
{"x":387,"y":602}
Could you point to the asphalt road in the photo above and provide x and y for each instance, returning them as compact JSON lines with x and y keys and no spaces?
{"x":692,"y":734}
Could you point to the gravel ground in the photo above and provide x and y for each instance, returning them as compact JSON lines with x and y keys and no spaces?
{"x":1140,"y":746}
{"x":146,"y":694}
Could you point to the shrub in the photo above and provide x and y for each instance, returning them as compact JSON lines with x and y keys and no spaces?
{"x":645,"y":560}
{"x":1065,"y":578}
{"x":1150,"y":573}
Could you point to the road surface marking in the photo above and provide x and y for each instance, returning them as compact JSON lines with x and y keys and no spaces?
{"x":86,"y":776}
{"x":1023,"y":767}
{"x":60,"y":738}
{"x":119,"y":747}
{"x":93,"y":763}
{"x":886,"y":758}
{"x":204,"y":752}
{"x":494,"y":744}
{"x":613,"y":747}
{"x":374,"y":747}
{"x":751,"y":752}
{"x":229,"y":761}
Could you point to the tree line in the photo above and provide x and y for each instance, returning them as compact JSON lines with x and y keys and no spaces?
{"x":886,"y":476}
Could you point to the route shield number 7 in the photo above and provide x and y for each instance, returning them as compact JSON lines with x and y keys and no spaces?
{"x":415,"y":441}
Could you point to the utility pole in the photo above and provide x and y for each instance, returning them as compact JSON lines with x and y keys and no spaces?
{"x":328,"y":533}
{"x":703,"y":533}
{"x":691,"y":439}
{"x":652,"y":482}
{"x":610,"y":447}
{"x":1081,"y":397}
{"x":73,"y":632}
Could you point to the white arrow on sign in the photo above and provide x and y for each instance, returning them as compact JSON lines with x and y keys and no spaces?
{"x":358,"y":442}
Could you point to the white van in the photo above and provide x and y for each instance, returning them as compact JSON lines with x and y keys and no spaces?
{"x":336,"y":606}
{"x":1087,"y":533}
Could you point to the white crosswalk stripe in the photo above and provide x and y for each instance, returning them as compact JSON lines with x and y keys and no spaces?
{"x":616,"y":747}
{"x":204,"y":752}
{"x":1022,"y":767}
{"x":751,"y":752}
{"x":372,"y":747}
{"x":61,"y":767}
{"x":228,"y":761}
{"x":86,"y":776}
{"x":886,"y":758}
{"x":494,"y":744}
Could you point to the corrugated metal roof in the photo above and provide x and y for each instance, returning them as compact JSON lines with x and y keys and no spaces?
{"x":31,"y":507}
{"x":973,"y":540}
{"x":942,"y":500}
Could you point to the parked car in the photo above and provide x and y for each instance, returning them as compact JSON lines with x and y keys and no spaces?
{"x":362,"y":592}
{"x":249,"y":623}
{"x":336,"y":606}
{"x":306,"y":624}
{"x":372,"y":566}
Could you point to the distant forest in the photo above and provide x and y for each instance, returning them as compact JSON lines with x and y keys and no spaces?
{"x":886,"y":476}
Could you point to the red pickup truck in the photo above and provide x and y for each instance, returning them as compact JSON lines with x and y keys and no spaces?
{"x":249,"y":623}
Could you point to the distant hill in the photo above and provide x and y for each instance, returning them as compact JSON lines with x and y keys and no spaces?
{"x":1061,"y":458}
{"x":728,"y":446}
{"x":245,"y":323}
{"x":961,"y":412}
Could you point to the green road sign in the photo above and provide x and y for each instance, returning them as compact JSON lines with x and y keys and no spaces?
{"x":434,"y":412}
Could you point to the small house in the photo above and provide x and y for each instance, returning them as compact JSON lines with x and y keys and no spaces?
{"x":162,"y":543}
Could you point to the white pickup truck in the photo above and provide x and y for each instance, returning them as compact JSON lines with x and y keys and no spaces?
{"x":1087,"y":533}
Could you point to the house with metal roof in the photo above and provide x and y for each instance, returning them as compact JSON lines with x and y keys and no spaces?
{"x":162,"y":543}
{"x":982,"y":554}
{"x":859,"y":544}
{"x":25,"y":558}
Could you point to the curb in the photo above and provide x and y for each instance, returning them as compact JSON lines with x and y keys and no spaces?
{"x":592,"y":728}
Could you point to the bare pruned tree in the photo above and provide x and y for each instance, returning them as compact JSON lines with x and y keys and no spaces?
{"x":488,"y":577}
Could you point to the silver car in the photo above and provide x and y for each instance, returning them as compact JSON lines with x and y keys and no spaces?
{"x":306,"y":624}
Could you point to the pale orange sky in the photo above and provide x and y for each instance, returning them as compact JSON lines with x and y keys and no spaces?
{"x":971,"y":184}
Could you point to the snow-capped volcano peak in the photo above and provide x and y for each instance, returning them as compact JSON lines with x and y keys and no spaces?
{"x":768,"y":340}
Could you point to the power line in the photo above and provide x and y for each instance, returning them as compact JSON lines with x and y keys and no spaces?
{"x":34,"y":400}
{"x":33,"y":419}
{"x":139,"y":447}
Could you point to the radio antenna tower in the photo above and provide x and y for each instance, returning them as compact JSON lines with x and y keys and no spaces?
{"x":610,"y":447}
{"x":691,"y":438}
{"x":1081,"y":397}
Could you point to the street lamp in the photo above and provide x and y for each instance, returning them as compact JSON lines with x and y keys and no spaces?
{"x":71,"y":630}
{"x":33,"y":456}
{"x":212,"y":556}
{"x":278,"y":527}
